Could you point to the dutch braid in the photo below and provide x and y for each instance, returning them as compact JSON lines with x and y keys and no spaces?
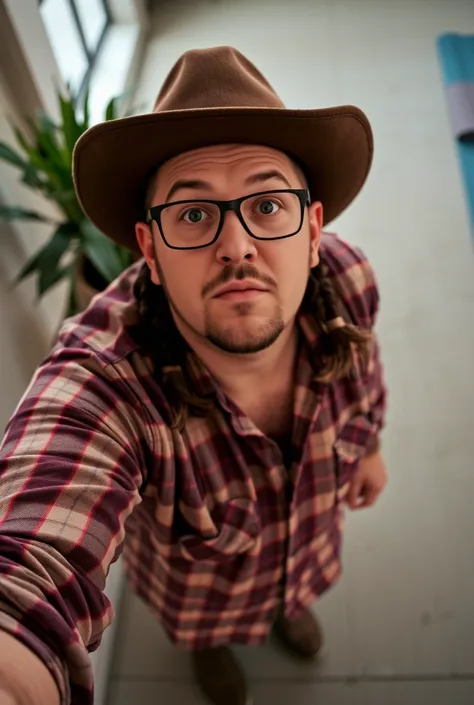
{"x":339,"y":341}
{"x":168,"y":350}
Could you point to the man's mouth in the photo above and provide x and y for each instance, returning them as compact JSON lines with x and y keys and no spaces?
{"x":240,"y":294}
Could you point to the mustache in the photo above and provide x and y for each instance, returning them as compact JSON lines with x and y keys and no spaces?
{"x":232,"y":272}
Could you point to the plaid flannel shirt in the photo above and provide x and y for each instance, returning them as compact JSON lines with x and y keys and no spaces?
{"x":212,"y":539}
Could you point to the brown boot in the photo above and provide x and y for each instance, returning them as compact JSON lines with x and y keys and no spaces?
{"x":219,"y":676}
{"x":302,"y":636}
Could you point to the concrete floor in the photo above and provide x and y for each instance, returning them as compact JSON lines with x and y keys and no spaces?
{"x":400,"y":625}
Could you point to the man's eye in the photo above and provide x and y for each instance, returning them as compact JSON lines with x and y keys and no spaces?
{"x":268,"y":207}
{"x":194,"y":215}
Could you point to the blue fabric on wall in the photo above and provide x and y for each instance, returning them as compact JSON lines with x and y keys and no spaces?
{"x":457,"y":55}
{"x":456,"y":52}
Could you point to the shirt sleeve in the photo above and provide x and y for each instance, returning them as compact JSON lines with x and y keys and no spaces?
{"x":71,"y":468}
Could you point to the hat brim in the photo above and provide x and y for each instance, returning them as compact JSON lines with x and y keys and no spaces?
{"x":112,"y":160}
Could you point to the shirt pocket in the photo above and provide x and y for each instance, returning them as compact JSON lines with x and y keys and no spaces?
{"x":230,"y":530}
{"x":349,"y":447}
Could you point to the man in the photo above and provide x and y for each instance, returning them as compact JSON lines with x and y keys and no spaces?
{"x":211,"y":411}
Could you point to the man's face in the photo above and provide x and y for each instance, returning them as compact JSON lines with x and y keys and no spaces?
{"x":243,"y":321}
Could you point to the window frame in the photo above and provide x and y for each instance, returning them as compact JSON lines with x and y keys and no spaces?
{"x":91,"y":56}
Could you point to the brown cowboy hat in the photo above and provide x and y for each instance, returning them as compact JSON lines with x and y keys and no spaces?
{"x":216,"y":96}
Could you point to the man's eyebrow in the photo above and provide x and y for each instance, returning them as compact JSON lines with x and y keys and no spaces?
{"x":205,"y":185}
{"x":266,"y":176}
{"x":187,"y":183}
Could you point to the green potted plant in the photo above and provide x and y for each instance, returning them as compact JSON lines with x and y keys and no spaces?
{"x":76,"y":251}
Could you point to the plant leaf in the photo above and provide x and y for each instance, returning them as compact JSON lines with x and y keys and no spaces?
{"x":10,"y":156}
{"x":48,"y":139}
{"x":53,"y":133}
{"x":30,"y":178}
{"x":70,"y":127}
{"x":30,"y":175}
{"x":51,"y":276}
{"x":111,"y":109}
{"x":40,"y":161}
{"x":50,"y":166}
{"x":48,"y":155}
{"x":30,"y":267}
{"x":86,"y":114}
{"x":100,"y":251}
{"x":49,"y":256}
{"x":46,"y":122}
{"x":17,"y":213}
{"x":21,"y":139}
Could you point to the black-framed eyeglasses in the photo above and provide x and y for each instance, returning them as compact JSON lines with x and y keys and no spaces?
{"x":266,"y":215}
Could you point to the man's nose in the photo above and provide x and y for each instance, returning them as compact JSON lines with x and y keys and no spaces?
{"x":234,"y":243}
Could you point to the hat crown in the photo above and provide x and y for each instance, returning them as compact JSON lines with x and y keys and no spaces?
{"x":220,"y":77}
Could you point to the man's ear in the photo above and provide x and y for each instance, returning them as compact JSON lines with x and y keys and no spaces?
{"x":144,"y":235}
{"x":315,"y":227}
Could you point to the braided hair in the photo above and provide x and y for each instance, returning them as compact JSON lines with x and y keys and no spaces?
{"x":340,"y":342}
{"x":168,"y":350}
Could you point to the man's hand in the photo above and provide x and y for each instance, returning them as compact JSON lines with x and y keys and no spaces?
{"x":24,"y":679}
{"x":368,"y":482}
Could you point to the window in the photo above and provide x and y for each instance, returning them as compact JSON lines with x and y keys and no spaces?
{"x":76,"y":30}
